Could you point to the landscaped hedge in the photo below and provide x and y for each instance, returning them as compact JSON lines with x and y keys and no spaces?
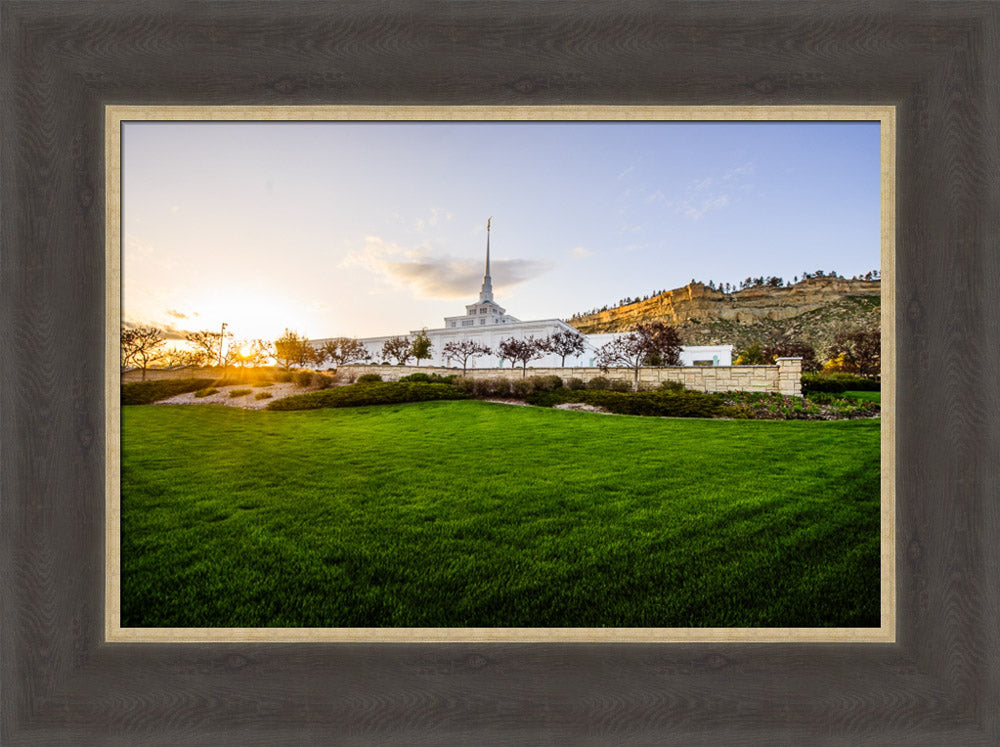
{"x":374,"y":393}
{"x":835,"y":383}
{"x":147,"y":392}
{"x":432,"y":378}
{"x":684,"y":404}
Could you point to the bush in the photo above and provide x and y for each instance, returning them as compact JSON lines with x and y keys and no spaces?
{"x":368,"y":378}
{"x":576,"y":384}
{"x":283,"y":376}
{"x":239,"y":392}
{"x":599,"y":382}
{"x":521,"y":388}
{"x":206,"y":392}
{"x":672,"y":386}
{"x":374,"y":393}
{"x":323,"y":381}
{"x":686,"y":404}
{"x":263,"y":395}
{"x":147,"y":392}
{"x":853,"y":382}
{"x":433,"y":378}
{"x":813,"y":382}
{"x":303,"y":378}
{"x":619,"y":385}
{"x":266,"y":383}
{"x":546,"y":383}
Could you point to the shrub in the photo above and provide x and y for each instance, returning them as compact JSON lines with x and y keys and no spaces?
{"x":239,"y":392}
{"x":619,"y":385}
{"x":599,"y":382}
{"x":576,"y":384}
{"x":207,"y":391}
{"x":147,"y":392}
{"x":323,"y":381}
{"x":368,"y":378}
{"x":303,"y":378}
{"x":672,"y":386}
{"x":432,"y":378}
{"x":283,"y":376}
{"x":494,"y":387}
{"x":853,"y":382}
{"x":374,"y":393}
{"x":658,"y":403}
{"x":546,"y":383}
{"x":813,"y":382}
{"x":521,"y":388}
{"x":263,"y":395}
{"x":266,"y":383}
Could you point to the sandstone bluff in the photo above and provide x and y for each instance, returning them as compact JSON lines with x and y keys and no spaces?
{"x":812,"y":311}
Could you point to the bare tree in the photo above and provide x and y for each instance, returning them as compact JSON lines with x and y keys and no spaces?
{"x":649,"y":344}
{"x":398,"y":348}
{"x":464,"y":350}
{"x":140,"y":347}
{"x":563,"y":344}
{"x":521,"y":351}
{"x":207,"y":345}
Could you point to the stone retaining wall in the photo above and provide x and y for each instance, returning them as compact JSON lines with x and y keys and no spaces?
{"x":784,"y":377}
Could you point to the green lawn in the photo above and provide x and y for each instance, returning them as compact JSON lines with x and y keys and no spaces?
{"x":457,"y":514}
{"x":875,"y":397}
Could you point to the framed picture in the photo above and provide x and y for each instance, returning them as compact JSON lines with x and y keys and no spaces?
{"x":934,"y":679}
{"x":763,"y":530}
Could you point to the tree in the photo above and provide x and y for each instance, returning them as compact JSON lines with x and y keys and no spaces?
{"x":207,"y":346}
{"x":563,"y":344}
{"x":464,"y":350}
{"x":291,"y":350}
{"x":344,"y":350}
{"x":398,"y":348}
{"x":521,"y":351}
{"x":259,"y":352}
{"x":751,"y":355}
{"x":861,"y":350}
{"x":140,"y":347}
{"x":789,"y":349}
{"x":655,"y":343}
{"x":316,"y":356}
{"x":421,"y":347}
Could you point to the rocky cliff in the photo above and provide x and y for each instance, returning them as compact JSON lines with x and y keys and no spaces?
{"x":811,"y":311}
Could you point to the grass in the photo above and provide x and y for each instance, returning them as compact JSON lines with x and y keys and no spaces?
{"x":466,"y":513}
{"x":875,"y":397}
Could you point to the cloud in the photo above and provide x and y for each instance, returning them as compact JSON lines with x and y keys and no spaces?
{"x":437,"y":215}
{"x":170,"y":332}
{"x":695,"y":210}
{"x":429,"y":276}
{"x":579,"y":252}
{"x":176,"y":314}
{"x":626,"y":172}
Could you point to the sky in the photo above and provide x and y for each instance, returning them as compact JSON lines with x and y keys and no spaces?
{"x":375,"y":228}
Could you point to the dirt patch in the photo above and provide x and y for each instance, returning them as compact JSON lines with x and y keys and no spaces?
{"x":581,"y":407}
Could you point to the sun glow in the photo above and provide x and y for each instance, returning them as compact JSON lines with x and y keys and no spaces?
{"x":255,"y":314}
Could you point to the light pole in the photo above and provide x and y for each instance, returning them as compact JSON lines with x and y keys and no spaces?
{"x":222,"y":339}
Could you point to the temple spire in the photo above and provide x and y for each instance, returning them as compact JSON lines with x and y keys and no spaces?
{"x":486,"y":294}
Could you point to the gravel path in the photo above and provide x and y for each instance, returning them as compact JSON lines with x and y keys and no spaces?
{"x":247,"y":401}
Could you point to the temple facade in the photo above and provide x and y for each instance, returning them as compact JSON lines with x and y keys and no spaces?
{"x":488,"y":323}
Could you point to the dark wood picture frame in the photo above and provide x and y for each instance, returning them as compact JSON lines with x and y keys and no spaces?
{"x":938,"y":63}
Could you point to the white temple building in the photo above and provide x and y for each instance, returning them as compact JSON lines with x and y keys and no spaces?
{"x":486,"y":322}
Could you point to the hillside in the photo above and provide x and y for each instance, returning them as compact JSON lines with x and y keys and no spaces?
{"x":811,"y":311}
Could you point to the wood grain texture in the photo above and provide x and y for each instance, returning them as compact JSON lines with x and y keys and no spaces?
{"x":939,"y":62}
